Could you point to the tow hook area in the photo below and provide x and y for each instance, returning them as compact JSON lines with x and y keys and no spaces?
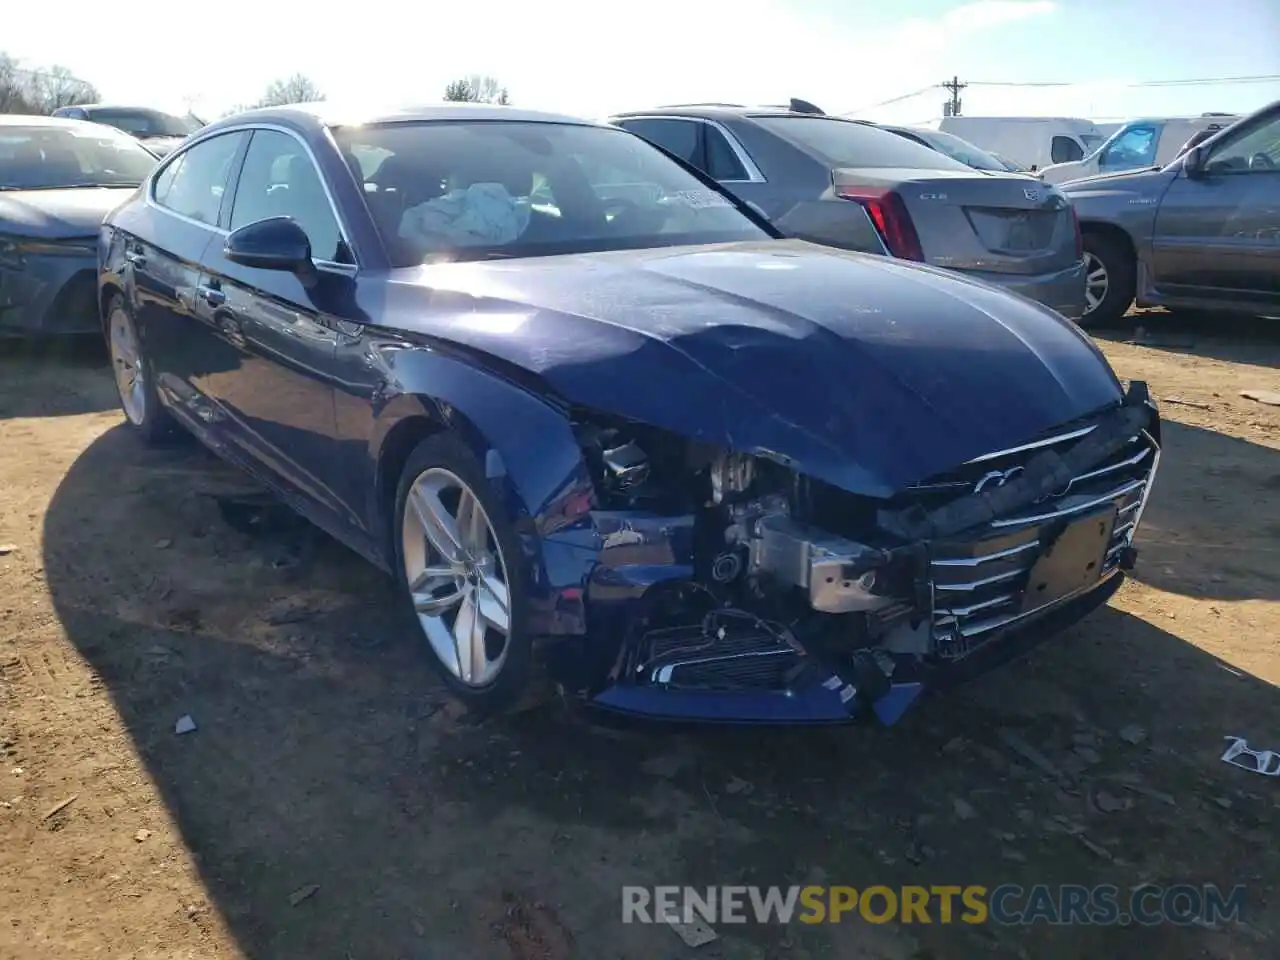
{"x":863,"y":681}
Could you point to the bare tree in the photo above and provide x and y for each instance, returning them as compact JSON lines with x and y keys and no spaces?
{"x":58,"y":87}
{"x":477,"y":88}
{"x":12,"y":87}
{"x":298,"y":88}
{"x":40,"y":91}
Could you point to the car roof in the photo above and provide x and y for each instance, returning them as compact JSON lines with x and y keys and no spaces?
{"x":719,"y":111}
{"x":116,"y":106}
{"x":329,"y":114}
{"x":33,"y":120}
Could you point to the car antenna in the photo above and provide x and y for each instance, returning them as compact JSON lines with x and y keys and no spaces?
{"x":804,"y":106}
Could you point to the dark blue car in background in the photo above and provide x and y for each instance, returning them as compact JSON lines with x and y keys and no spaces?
{"x":603,"y":423}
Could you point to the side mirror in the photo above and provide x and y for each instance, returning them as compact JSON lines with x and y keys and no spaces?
{"x":1193,"y":163}
{"x":277,"y":243}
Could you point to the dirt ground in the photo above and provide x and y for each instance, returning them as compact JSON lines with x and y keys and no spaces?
{"x":331,"y":803}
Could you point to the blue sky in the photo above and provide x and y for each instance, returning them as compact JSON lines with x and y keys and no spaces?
{"x":591,"y":58}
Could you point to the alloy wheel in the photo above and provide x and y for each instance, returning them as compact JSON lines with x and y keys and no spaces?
{"x":457,"y":576}
{"x":1096,"y":282}
{"x":126,"y":360}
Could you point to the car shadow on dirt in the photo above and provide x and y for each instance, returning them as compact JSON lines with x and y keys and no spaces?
{"x":1212,"y":528}
{"x":78,"y":365}
{"x":336,"y":805}
{"x":1229,"y":337}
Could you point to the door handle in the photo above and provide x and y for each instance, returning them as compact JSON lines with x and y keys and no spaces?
{"x":211,"y":295}
{"x":136,"y":258}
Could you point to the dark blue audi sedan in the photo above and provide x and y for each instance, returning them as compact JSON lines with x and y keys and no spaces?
{"x":607,"y":428}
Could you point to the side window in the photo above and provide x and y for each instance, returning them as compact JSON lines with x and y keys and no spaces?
{"x":1136,"y":147}
{"x":722,"y":162}
{"x":675,"y":136}
{"x":1253,"y":150}
{"x":194,"y":183}
{"x":280,"y":180}
{"x":1064,"y":150}
{"x":164,"y":182}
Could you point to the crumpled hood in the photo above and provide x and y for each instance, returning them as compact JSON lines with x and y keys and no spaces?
{"x":862,"y":371}
{"x":57,"y":214}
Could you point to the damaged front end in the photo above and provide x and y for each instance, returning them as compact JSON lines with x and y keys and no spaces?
{"x":733,"y":587}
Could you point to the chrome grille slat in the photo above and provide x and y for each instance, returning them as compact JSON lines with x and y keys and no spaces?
{"x":1036,"y":444}
{"x":1097,"y":501}
{"x":1110,"y":468}
{"x":978,"y":584}
{"x":974,"y":561}
{"x":992,"y":576}
{"x":957,"y":612}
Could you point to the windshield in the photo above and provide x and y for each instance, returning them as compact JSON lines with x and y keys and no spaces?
{"x":482,"y":189}
{"x":142,"y":123}
{"x":962,"y":150}
{"x":48,"y":157}
{"x":844,"y":143}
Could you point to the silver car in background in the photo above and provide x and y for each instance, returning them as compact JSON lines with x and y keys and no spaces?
{"x":853,"y":185}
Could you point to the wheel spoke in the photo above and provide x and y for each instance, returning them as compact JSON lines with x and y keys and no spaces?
{"x":468,"y":639}
{"x":494,"y":603}
{"x":472,"y":529}
{"x":440,"y":528}
{"x":431,"y":577}
{"x":425,"y":590}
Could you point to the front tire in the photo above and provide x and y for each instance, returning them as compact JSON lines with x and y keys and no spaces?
{"x":1111,"y":279}
{"x":135,"y":383}
{"x":463,"y":575}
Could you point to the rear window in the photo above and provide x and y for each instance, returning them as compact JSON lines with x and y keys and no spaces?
{"x":843,"y":143}
{"x":962,"y":150}
{"x":142,"y":123}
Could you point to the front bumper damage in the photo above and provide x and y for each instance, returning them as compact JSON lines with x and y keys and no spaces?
{"x":963,"y":572}
{"x":48,"y":287}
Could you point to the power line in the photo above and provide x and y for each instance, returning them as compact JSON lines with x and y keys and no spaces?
{"x":898,"y":99}
{"x":954,"y":86}
{"x":1190,"y":82}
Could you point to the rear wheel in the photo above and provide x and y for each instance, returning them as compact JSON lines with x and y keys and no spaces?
{"x":462,"y":570}
{"x":133,"y":375}
{"x":1111,"y":279}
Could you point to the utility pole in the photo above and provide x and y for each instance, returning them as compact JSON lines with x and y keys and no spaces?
{"x":951,"y":108}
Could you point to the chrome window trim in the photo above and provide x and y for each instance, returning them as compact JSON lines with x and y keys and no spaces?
{"x":753,"y":172}
{"x":331,"y":266}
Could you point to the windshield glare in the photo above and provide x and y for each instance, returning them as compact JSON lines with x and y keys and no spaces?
{"x":34,"y":158}
{"x":470,"y":190}
{"x":844,"y":143}
{"x":142,"y":123}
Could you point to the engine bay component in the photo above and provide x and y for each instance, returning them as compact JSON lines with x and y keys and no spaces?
{"x":627,"y":464}
{"x":839,"y":575}
{"x":731,"y":476}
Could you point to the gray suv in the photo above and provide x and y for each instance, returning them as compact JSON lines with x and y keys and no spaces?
{"x":1202,"y":233}
{"x":853,"y":185}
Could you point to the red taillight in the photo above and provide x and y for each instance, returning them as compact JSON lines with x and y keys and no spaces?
{"x":889,"y":213}
{"x":1075,"y":223}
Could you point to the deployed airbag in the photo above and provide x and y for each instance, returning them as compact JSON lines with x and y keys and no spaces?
{"x":483,"y":214}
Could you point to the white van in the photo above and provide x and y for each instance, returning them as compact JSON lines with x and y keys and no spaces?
{"x":1031,"y":142}
{"x":1149,"y":142}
